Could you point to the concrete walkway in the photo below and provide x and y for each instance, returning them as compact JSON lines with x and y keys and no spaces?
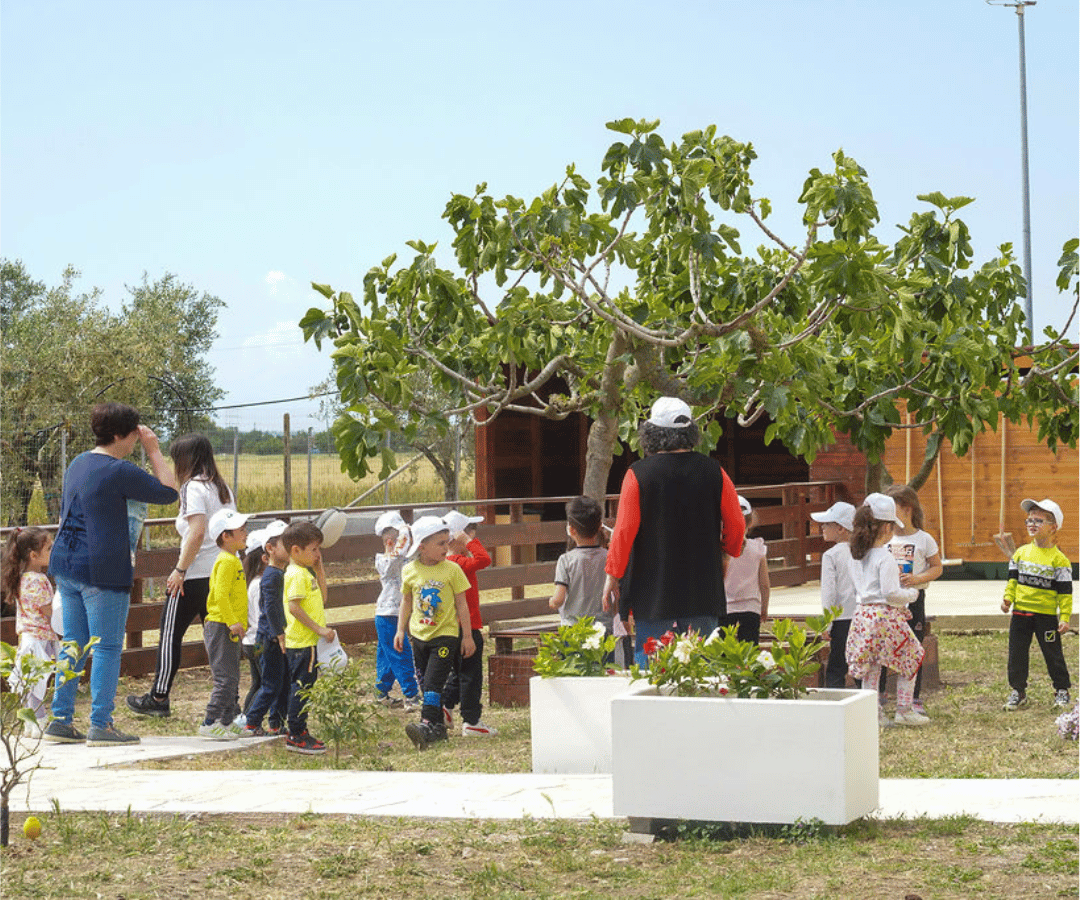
{"x":84,"y":778}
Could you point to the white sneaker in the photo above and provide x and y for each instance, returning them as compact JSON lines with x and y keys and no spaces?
{"x":477,"y":730}
{"x":911,"y":717}
{"x":218,"y":731}
{"x":236,"y":726}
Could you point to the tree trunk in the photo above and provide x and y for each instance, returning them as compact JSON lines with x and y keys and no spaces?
{"x":604,"y":431}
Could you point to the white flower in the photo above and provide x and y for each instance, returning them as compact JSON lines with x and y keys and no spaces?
{"x":592,"y":642}
{"x":684,"y":649}
{"x":598,"y":628}
{"x":715,"y":636}
{"x":765,"y":659}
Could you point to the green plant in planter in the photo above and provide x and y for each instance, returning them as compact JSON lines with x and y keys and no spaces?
{"x":721,"y":665}
{"x":580,"y":650}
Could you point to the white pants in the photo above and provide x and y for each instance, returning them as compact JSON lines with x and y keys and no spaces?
{"x":33,"y":691}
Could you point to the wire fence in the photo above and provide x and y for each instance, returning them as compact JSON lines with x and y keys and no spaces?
{"x":268,"y":465}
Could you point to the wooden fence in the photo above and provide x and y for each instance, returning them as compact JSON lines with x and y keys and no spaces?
{"x":525,"y":537}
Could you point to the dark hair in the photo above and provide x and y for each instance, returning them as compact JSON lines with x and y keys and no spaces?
{"x":21,"y":543}
{"x":254,"y":563}
{"x":110,"y":421}
{"x":300,"y":534}
{"x":865,"y":532}
{"x":906,"y":496}
{"x":585,"y":515}
{"x":657,"y":439}
{"x":193,"y":457}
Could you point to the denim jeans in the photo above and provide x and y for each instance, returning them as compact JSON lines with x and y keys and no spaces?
{"x":93,"y":612}
{"x":656,"y":628}
{"x":273,"y":694}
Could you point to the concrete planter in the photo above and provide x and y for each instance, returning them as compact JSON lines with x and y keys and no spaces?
{"x":730,"y":760}
{"x":571,"y":722}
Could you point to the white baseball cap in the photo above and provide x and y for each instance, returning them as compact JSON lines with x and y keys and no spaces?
{"x":225,"y":520}
{"x":273,"y":530}
{"x":1046,"y":505}
{"x":256,"y":540}
{"x":425,"y":527}
{"x":670,"y":412}
{"x":390,"y":519}
{"x":457,"y":522}
{"x":883,"y":508}
{"x":744,"y":505}
{"x":843,"y":514}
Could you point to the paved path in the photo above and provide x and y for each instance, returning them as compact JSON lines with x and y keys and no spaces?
{"x":84,"y":778}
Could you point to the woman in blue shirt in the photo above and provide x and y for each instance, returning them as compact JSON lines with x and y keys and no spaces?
{"x":92,"y":562}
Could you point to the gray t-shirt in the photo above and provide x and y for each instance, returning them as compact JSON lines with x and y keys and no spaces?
{"x":581,"y":572}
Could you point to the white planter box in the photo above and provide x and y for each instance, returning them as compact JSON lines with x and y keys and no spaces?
{"x":571,"y":722}
{"x":730,"y":760}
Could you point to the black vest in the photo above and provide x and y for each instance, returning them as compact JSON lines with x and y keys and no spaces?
{"x":674,"y":568}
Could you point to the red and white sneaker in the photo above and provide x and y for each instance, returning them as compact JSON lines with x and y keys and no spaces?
{"x":477,"y":730}
{"x":448,"y":719}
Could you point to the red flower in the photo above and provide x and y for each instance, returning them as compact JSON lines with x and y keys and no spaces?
{"x":650,"y":646}
{"x":668,"y":637}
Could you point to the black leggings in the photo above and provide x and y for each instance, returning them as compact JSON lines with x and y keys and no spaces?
{"x":434,"y":661}
{"x":179,"y":612}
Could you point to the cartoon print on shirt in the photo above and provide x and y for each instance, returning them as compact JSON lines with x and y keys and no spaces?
{"x":430,"y":597}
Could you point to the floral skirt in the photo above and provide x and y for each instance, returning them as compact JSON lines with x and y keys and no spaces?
{"x":880,"y":636}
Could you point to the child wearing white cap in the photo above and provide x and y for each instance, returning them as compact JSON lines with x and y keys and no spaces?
{"x":1039,"y":594}
{"x":879,"y":634}
{"x":225,"y":624}
{"x":746,"y":584}
{"x":837,"y":588}
{"x":391,"y":664}
{"x":436,"y":614}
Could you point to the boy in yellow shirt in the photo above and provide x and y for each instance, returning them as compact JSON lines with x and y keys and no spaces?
{"x":305,"y":623}
{"x":1039,"y":593}
{"x":224,"y":625}
{"x":434,"y":609}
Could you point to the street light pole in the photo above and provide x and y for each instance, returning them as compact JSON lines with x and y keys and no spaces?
{"x":1026,"y":191}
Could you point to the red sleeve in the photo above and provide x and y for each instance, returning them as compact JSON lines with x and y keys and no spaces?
{"x":480,"y":557}
{"x":627,"y":523}
{"x":732,"y":515}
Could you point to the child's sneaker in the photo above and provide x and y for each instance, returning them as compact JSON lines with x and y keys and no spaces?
{"x":1062,"y":698}
{"x":57,"y":732}
{"x":217,"y":731}
{"x":252,"y":731}
{"x":276,"y":730}
{"x":477,"y":730}
{"x":917,"y":706}
{"x":412,"y":703}
{"x":237,"y":725}
{"x":883,"y":719}
{"x":424,"y":734}
{"x":911,"y":717}
{"x":304,"y":743}
{"x":1015,"y":701}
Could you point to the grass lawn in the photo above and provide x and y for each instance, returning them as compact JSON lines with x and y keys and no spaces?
{"x":94,"y":855}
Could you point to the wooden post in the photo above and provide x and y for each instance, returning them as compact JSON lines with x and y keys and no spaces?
{"x":288,"y":464}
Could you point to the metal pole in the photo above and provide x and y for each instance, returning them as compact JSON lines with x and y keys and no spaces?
{"x":457,"y":459}
{"x":236,"y":459}
{"x":386,"y":484}
{"x":309,"y":467}
{"x":1024,"y":165}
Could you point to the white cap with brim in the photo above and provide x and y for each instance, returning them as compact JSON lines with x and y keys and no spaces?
{"x":389,"y":519}
{"x":458,"y":522}
{"x":744,"y":505}
{"x":273,"y":530}
{"x":670,"y":412}
{"x":841,"y":513}
{"x":883,"y":508}
{"x":1046,"y":505}
{"x":225,"y":520}
{"x":255,"y":541}
{"x":425,"y":527}
{"x":332,"y":525}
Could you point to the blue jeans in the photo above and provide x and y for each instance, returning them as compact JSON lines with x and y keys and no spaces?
{"x":92,"y":612}
{"x":273,"y":693}
{"x":391,"y":664}
{"x":656,"y":628}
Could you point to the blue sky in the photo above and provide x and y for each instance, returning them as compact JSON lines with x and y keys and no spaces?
{"x":254,"y":147}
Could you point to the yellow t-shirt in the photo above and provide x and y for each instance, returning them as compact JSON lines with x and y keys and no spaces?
{"x":301,"y":584}
{"x":433,"y":589}
{"x":227,"y":600}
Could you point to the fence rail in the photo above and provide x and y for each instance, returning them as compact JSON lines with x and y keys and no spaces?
{"x":524,"y":535}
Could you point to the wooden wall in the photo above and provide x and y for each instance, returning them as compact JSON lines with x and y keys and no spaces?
{"x":970,"y":487}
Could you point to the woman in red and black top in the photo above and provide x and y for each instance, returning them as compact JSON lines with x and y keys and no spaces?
{"x":677,"y":510}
